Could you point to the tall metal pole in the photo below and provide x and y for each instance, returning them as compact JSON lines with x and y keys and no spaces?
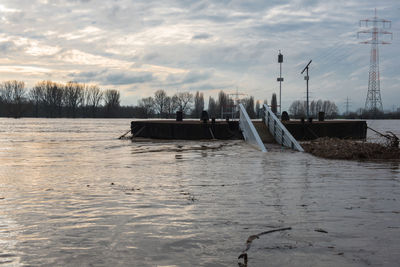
{"x":307,"y":78}
{"x":280,"y":89}
{"x":308,"y":110}
{"x":280,"y":80}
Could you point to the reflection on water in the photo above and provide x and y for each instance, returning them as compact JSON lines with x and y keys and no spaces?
{"x":72,"y":194}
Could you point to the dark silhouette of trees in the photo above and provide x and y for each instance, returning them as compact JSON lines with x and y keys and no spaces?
{"x":198,"y":105}
{"x":111,"y":102}
{"x":13,"y":97}
{"x":160,"y":98}
{"x":170,"y":106}
{"x":147,"y":106}
{"x":94,"y":96}
{"x":222,"y":104}
{"x":36,"y":97}
{"x":73,"y":97}
{"x":184,"y":101}
{"x":248,"y":104}
{"x":212,"y":107}
{"x":52,"y":97}
{"x":298,"y":108}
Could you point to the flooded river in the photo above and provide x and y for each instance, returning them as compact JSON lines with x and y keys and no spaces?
{"x":72,"y":194}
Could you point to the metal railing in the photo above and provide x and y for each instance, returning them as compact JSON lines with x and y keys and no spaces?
{"x":249,"y":132}
{"x":279,"y":131}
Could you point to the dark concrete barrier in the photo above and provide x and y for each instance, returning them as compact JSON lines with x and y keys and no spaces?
{"x":339,"y":129}
{"x":186,"y":130}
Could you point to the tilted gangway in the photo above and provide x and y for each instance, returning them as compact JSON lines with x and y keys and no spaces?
{"x":279,"y":132}
{"x":281,"y":135}
{"x":249,"y":132}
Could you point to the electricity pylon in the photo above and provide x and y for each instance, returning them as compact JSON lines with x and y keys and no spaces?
{"x":374,"y":102}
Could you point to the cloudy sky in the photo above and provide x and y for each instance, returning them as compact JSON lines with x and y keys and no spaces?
{"x":139,"y":46}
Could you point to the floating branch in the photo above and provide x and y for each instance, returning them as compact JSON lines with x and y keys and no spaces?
{"x":251,"y":238}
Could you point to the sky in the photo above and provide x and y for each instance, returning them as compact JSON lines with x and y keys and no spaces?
{"x":142,"y":46}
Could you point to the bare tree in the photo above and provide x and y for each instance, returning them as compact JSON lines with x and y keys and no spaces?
{"x":6,"y":92}
{"x":248,"y":104}
{"x":212,"y":107}
{"x":147,"y":106}
{"x":198,"y":104}
{"x":13,"y":95}
{"x":160,"y":97}
{"x":171,"y":105}
{"x":52,"y":97}
{"x":298,"y":109}
{"x":184,"y":100}
{"x":36,"y":96}
{"x":330,"y":109}
{"x":111,"y":102}
{"x":93,"y":98}
{"x":222,"y":104}
{"x":73,"y":97}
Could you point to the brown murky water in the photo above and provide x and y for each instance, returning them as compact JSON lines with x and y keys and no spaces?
{"x":72,"y":194}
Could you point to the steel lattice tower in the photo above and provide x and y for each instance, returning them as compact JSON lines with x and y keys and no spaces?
{"x":376,"y":27}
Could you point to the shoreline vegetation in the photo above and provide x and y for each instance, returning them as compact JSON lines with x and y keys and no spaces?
{"x":49,"y":99}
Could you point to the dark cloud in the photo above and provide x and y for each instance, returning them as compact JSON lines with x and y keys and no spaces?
{"x":201,"y":36}
{"x":195,"y":76}
{"x":8,"y":47}
{"x":113,"y":77}
{"x":190,"y":78}
{"x":122,"y":78}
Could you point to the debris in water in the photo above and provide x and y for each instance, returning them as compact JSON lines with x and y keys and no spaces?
{"x":334,"y":148}
{"x":321,"y":230}
{"x":251,"y":238}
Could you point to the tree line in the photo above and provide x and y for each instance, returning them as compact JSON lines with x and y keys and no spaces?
{"x":54,"y":100}
{"x":191,"y":105}
{"x":298,"y":109}
{"x":72,"y":99}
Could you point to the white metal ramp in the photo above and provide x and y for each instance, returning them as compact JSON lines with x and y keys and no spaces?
{"x":279,"y":131}
{"x":249,"y":132}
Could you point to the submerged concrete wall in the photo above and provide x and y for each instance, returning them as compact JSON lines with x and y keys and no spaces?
{"x":338,"y":129}
{"x":186,"y":130}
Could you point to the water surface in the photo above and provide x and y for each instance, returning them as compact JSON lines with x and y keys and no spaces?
{"x":72,"y":194}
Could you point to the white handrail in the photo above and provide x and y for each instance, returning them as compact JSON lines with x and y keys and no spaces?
{"x":279,"y":131}
{"x":249,"y":132}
